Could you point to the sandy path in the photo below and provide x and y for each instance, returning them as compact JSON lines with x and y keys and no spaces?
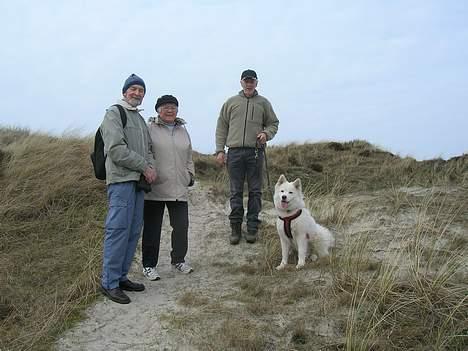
{"x":110,"y":326}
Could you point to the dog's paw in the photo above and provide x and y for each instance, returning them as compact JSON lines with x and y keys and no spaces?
{"x":313,"y":257}
{"x":281,"y":266}
{"x":300,"y":265}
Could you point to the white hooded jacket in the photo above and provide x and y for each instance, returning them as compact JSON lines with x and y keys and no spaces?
{"x":172,"y":149}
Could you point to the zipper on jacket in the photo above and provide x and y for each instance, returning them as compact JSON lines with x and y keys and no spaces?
{"x":253,"y":109}
{"x":245,"y":121}
{"x":174,"y":155}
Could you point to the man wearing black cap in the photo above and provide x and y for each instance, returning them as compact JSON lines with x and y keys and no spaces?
{"x":245,"y":123}
{"x":129,"y":156}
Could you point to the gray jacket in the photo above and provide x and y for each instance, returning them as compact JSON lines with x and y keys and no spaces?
{"x":241,"y":119}
{"x":128,"y":149}
{"x":173,"y":161}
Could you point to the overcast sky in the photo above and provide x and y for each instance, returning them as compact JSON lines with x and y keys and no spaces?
{"x":394,"y":73}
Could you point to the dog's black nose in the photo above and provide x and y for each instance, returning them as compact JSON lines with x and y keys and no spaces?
{"x":284,"y":197}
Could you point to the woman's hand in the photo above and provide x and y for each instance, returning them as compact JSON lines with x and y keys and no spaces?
{"x":150,"y":174}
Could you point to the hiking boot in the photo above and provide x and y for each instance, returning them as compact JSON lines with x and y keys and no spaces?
{"x":151,"y":273}
{"x":182,"y":267}
{"x":235,"y":234}
{"x":251,"y":236}
{"x":128,"y":285}
{"x":116,"y":295}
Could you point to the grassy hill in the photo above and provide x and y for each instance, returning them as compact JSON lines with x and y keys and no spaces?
{"x":354,"y":166}
{"x":391,"y":212}
{"x":397,"y":279}
{"x":52,"y":214}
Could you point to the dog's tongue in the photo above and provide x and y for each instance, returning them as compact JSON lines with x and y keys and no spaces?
{"x":284,"y":204}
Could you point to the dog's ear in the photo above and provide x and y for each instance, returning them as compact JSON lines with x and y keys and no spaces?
{"x":282,"y":179}
{"x":297,"y":184}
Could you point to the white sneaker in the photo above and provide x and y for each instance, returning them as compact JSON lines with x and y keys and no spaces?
{"x":151,"y":273}
{"x":183,"y":268}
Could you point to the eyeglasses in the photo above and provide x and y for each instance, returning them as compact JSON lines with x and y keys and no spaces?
{"x":169,"y":107}
{"x":249,"y":80}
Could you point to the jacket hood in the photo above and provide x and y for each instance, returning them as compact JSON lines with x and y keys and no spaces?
{"x":178,"y":121}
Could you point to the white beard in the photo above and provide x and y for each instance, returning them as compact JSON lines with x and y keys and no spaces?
{"x":134,"y":102}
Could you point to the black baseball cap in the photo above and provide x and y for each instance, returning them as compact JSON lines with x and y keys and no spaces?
{"x":249,"y":73}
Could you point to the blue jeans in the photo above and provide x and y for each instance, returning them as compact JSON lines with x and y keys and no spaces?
{"x":123,"y":226}
{"x":245,"y":164}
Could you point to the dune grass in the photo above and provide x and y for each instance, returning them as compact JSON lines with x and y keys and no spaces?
{"x":412,"y":298}
{"x":50,"y":236}
{"x":397,"y":279}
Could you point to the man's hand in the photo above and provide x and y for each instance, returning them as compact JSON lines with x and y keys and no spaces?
{"x":262,"y":138}
{"x":150,"y":174}
{"x":220,"y":158}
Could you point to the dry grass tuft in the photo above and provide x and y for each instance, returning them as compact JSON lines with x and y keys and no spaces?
{"x":209,"y":172}
{"x":10,"y":135}
{"x":299,"y":336}
{"x":242,"y":269}
{"x":330,"y":210}
{"x":239,"y":334}
{"x":414,"y":299}
{"x":190,"y":299}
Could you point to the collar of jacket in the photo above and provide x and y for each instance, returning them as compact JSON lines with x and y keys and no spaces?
{"x":157,"y":120}
{"x":126,"y":105}
{"x":241,"y":93}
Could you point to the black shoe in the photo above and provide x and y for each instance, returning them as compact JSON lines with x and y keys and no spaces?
{"x":251,"y":236}
{"x":116,"y":295}
{"x":128,"y":285}
{"x":235,"y":234}
{"x":234,"y":239}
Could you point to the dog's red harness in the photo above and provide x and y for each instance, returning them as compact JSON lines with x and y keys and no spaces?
{"x":287,"y":223}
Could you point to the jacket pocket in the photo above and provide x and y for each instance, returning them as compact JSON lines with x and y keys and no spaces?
{"x":160,"y":178}
{"x":256,"y":113}
{"x":186,"y":178}
{"x":252,"y":113}
{"x":117,"y":214}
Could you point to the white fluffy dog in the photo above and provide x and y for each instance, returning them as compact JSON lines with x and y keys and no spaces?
{"x":296,"y":225}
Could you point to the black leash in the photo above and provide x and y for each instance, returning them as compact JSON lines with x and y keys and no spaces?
{"x":266,"y":166}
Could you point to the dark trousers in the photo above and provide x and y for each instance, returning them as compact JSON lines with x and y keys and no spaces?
{"x":153,"y":216}
{"x":245,"y":164}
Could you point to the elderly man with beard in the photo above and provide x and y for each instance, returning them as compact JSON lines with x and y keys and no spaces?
{"x":129,"y":156}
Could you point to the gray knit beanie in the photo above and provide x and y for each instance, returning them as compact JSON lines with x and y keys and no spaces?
{"x":133,"y":80}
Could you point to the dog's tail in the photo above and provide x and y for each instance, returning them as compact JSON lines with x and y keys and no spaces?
{"x":327,"y":235}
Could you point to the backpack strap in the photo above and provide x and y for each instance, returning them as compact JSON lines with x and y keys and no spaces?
{"x":123,"y":115}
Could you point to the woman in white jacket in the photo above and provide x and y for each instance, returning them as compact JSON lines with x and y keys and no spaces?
{"x":172,"y":150}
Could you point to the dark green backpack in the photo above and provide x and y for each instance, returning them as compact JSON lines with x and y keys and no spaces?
{"x":97,"y":156}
